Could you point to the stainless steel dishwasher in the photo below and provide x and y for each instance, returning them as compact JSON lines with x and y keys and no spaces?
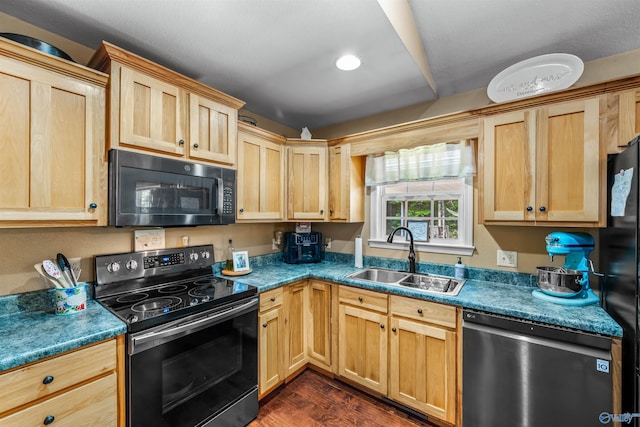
{"x":526,"y":374}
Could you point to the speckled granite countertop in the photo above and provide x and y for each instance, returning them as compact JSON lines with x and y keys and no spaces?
{"x":29,"y":330}
{"x":488,"y":290}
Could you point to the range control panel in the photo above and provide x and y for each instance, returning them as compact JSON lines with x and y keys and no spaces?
{"x":127,"y":266}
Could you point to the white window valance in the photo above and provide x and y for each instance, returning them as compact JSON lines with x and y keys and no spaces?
{"x":428,"y":162}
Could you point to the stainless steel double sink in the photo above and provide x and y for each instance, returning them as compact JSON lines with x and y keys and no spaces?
{"x":430,"y":283}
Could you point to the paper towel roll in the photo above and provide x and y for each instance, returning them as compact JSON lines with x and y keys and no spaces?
{"x":358,"y":252}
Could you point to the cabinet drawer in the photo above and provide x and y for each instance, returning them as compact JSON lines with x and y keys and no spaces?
{"x":363,"y":298}
{"x":40,"y":379}
{"x":426,"y":311}
{"x":93,"y":404}
{"x":270,"y":299}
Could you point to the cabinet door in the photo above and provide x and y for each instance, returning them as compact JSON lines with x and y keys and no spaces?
{"x":423,"y":368}
{"x":569,"y":159}
{"x":628,"y":117}
{"x":260,"y":186}
{"x":271,"y":342}
{"x":307,"y":183}
{"x":51,"y":137}
{"x":508,"y":172}
{"x":346,"y":185}
{"x":295,"y":346}
{"x":152,"y":113}
{"x":363,"y":347}
{"x":213,"y":131}
{"x":319,"y":333}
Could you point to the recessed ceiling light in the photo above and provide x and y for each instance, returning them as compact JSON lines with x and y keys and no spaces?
{"x":348,"y":62}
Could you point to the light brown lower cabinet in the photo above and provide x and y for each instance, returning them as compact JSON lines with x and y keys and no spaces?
{"x":76,"y":388}
{"x":403,"y":348}
{"x":422,"y":356}
{"x":295,"y":345}
{"x":270,"y":341}
{"x":319,"y":324}
{"x":362,"y":342}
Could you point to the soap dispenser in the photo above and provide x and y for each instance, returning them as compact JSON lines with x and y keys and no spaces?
{"x":459,"y":269}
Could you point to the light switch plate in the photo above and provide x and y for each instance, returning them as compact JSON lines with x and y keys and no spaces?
{"x":507,"y":258}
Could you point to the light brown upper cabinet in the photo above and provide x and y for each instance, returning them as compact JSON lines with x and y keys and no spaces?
{"x":626,"y":112}
{"x":260,"y":186}
{"x":307,"y":180}
{"x":157,"y":110}
{"x":346,"y":185}
{"x":543,"y":166}
{"x":52,"y":138}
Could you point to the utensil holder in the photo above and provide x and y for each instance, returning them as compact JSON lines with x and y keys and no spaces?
{"x":71,"y":300}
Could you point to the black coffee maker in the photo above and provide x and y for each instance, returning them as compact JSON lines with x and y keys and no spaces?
{"x":300,"y":248}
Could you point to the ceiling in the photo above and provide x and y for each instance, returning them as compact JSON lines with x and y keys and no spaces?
{"x":279,"y":55}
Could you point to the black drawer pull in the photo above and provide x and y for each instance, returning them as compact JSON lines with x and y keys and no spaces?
{"x":360,"y":299}
{"x":47,"y":380}
{"x":419,"y":311}
{"x":273,"y":299}
{"x":48,"y":420}
{"x":264,"y":325}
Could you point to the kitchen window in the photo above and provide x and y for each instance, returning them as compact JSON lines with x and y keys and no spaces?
{"x":429,"y":190}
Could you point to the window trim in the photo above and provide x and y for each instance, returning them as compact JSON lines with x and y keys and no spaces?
{"x":465,"y":216}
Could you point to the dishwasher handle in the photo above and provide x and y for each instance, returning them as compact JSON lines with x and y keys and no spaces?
{"x":559,"y":344}
{"x":536,"y":329}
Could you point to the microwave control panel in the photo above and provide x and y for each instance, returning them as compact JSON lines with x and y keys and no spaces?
{"x":227,"y":201}
{"x":306,"y":239}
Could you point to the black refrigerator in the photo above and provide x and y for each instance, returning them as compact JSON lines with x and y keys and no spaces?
{"x":619,"y":261}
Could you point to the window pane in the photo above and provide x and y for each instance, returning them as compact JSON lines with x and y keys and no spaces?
{"x":394,"y":208}
{"x":391,"y":224}
{"x":450,"y":208}
{"x":419,"y":208}
{"x":452,"y":229}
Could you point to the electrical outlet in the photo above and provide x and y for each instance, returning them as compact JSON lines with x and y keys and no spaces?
{"x":327,"y":242}
{"x":507,"y":258}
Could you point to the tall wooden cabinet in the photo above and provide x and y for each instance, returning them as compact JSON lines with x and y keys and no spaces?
{"x":543,"y":166}
{"x":52,"y":117}
{"x":261,"y":175}
{"x":159,"y":111}
{"x":346,"y":185}
{"x":306,"y":180}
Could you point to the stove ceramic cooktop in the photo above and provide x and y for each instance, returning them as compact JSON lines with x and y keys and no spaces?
{"x":169,"y":301}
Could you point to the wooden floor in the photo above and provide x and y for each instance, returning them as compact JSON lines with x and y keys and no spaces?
{"x":313,"y":400}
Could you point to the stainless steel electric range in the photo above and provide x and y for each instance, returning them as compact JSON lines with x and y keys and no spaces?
{"x":192,"y":355}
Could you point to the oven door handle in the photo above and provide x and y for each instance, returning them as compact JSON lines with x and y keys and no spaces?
{"x":155,"y":338}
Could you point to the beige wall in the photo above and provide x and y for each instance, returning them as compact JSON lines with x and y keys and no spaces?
{"x":21,"y":248}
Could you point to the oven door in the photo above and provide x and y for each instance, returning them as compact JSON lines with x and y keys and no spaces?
{"x":196,"y":371}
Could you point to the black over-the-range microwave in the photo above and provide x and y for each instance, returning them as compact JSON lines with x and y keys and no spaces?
{"x":146,"y":190}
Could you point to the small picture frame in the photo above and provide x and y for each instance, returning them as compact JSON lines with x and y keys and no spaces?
{"x":419,"y":229}
{"x":241,"y":261}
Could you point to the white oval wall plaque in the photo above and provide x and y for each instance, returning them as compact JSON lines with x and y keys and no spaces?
{"x":535,"y":76}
